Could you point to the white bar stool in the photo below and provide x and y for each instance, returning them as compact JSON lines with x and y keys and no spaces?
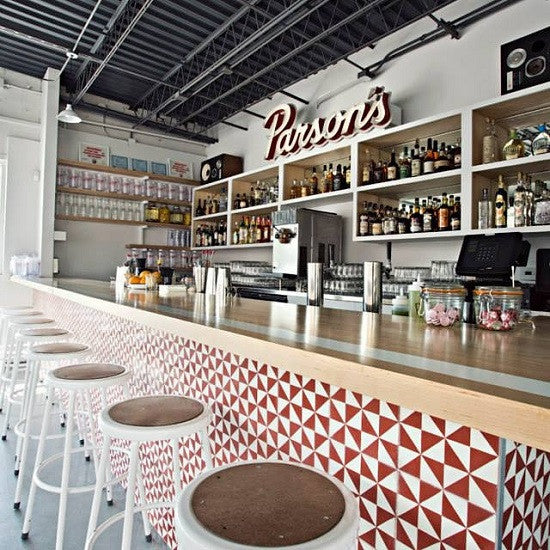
{"x":38,"y":356}
{"x":14,"y":324}
{"x":259,"y":505}
{"x":141,"y":420}
{"x":26,"y":337}
{"x":75,"y":380}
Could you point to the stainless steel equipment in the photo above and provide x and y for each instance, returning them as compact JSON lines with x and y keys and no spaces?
{"x":314,"y":284}
{"x":303,"y":235}
{"x":372,"y":287}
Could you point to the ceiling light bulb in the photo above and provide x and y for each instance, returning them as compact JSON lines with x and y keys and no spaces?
{"x":68,"y":115}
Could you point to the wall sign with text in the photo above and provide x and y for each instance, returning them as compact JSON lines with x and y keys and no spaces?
{"x":285,"y":138}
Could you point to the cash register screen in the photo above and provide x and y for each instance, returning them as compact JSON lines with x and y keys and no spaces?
{"x":489,"y":255}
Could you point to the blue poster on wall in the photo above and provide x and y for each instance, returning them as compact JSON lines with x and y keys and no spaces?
{"x":118,"y":161}
{"x":139,"y":165}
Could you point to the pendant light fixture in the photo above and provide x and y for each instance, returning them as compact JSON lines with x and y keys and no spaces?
{"x":68,"y":115}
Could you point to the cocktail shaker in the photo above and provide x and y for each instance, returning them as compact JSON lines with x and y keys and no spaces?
{"x":199,"y":273}
{"x":372,"y":287}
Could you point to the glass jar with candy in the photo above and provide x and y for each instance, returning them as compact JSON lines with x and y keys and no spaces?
{"x":497,"y":307}
{"x":442,"y":305}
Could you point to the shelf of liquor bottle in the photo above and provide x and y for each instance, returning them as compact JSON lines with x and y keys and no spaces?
{"x":531,"y":164}
{"x":257,"y":209}
{"x":233,"y":246}
{"x":413,"y":236}
{"x":156,"y":247}
{"x":120,"y":222}
{"x":122,"y":172}
{"x":319,"y":197}
{"x":448,"y":181}
{"x":524,"y":229}
{"x":210,"y":216}
{"x":120,"y":196}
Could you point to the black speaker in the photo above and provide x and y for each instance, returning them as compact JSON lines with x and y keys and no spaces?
{"x":220,"y":167}
{"x":525,"y":62}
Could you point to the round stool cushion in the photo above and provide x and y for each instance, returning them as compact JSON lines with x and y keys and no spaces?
{"x":62,"y":347}
{"x":44,"y":332}
{"x":268,"y":504}
{"x":88,"y":371}
{"x":32,"y":321}
{"x":161,"y":410}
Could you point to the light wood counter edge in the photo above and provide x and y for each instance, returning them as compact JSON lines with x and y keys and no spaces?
{"x":507,"y":418}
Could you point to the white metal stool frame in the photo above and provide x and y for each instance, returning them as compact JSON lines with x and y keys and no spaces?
{"x":190,"y":533}
{"x":22,"y":339}
{"x":73,"y":387}
{"x":35,"y":360}
{"x":5,"y":316}
{"x":136,"y":435}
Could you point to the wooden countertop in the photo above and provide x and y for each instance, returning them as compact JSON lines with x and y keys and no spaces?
{"x":495,"y":382}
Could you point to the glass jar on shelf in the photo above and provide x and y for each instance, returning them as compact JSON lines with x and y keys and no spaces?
{"x":514,"y":148}
{"x":164,"y":214}
{"x":497,"y":307}
{"x":442,"y":305}
{"x":176,"y":215}
{"x":490,"y":143}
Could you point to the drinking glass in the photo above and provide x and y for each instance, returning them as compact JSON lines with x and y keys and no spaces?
{"x":106,"y":209}
{"x":114,"y":184}
{"x":101,"y":182}
{"x":87,"y":180}
{"x":151,"y":188}
{"x":138,"y":187}
{"x":114,"y":210}
{"x":138,"y":212}
{"x":121,"y":210}
{"x":81,"y":207}
{"x":128,"y":186}
{"x":91,"y":207}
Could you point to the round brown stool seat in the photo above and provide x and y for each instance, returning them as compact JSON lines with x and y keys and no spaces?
{"x":161,"y":410}
{"x":43,"y":332}
{"x":87,"y":371}
{"x":267,"y":504}
{"x":59,"y":348}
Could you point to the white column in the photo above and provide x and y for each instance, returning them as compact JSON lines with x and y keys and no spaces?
{"x":48,"y":168}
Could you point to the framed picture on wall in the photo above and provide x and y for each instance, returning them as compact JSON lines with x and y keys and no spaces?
{"x":158,"y":168}
{"x":118,"y":161}
{"x":180,"y":169}
{"x":94,"y":154}
{"x":139,"y":165}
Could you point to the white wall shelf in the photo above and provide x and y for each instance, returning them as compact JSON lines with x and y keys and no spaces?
{"x":534,"y":163}
{"x":210,"y":216}
{"x":433,"y":235}
{"x":233,"y":246}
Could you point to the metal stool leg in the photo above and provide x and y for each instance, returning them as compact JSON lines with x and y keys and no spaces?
{"x":38,"y":460}
{"x":143,"y":501}
{"x":11,"y":389}
{"x":130,"y":497}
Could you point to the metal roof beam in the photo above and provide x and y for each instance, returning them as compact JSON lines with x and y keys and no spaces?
{"x":256,"y":40}
{"x":128,"y":19}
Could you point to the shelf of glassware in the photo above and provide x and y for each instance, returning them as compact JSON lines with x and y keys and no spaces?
{"x":119,"y":196}
{"x":234,"y":246}
{"x":120,"y":222}
{"x":433,"y":235}
{"x":122,"y":172}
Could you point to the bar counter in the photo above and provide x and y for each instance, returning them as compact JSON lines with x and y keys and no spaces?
{"x":401,"y":412}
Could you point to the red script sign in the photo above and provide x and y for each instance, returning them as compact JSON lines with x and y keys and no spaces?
{"x":285,"y":139}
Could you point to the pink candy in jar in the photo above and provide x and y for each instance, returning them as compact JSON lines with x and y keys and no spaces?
{"x":438,"y":315}
{"x":443,"y":305}
{"x":498,"y":308}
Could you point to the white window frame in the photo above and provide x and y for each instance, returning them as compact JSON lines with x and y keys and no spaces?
{"x":3,"y":191}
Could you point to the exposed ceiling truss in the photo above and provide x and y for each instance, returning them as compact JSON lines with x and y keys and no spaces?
{"x":184,"y":66}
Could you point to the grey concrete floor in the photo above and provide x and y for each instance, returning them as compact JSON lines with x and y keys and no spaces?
{"x":44,"y":523}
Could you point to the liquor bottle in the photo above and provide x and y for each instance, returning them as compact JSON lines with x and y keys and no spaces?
{"x":243,"y":232}
{"x":444,"y":215}
{"x":529,"y":202}
{"x":338,"y":180}
{"x":501,"y":203}
{"x":393,"y":168}
{"x":489,"y":151}
{"x":252,"y":231}
{"x":294,"y":190}
{"x":416,"y":163}
{"x":416,"y":218}
{"x":379,"y":172}
{"x":541,"y":215}
{"x":364,"y":221}
{"x":519,"y":203}
{"x":510,"y":212}
{"x":455,"y":216}
{"x":376,"y":222}
{"x":244,"y":201}
{"x":541,"y":144}
{"x":347,"y":175}
{"x":237,"y":202}
{"x":223,"y":200}
{"x":305,"y":190}
{"x":428,"y":217}
{"x":403,"y":223}
{"x":514,"y":147}
{"x":485,"y":211}
{"x":405,"y":164}
{"x":314,"y":181}
{"x":368,"y":169}
{"x":257,"y":194}
{"x":457,"y":155}
{"x":330,"y":179}
{"x":428,"y":162}
{"x":442,"y":162}
{"x":198,"y":210}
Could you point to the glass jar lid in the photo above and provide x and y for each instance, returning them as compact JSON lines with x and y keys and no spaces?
{"x":453,"y":290}
{"x":498,"y":291}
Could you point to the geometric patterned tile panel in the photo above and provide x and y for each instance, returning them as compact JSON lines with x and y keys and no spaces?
{"x":420,"y":481}
{"x":526,"y":503}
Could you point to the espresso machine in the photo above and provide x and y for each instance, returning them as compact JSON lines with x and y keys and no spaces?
{"x":302,"y":235}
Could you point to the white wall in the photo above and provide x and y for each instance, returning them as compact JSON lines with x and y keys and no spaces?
{"x":92,"y":250}
{"x":20,"y":102}
{"x":441,"y":76}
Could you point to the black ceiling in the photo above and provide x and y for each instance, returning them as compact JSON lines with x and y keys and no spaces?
{"x":186,"y":65}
